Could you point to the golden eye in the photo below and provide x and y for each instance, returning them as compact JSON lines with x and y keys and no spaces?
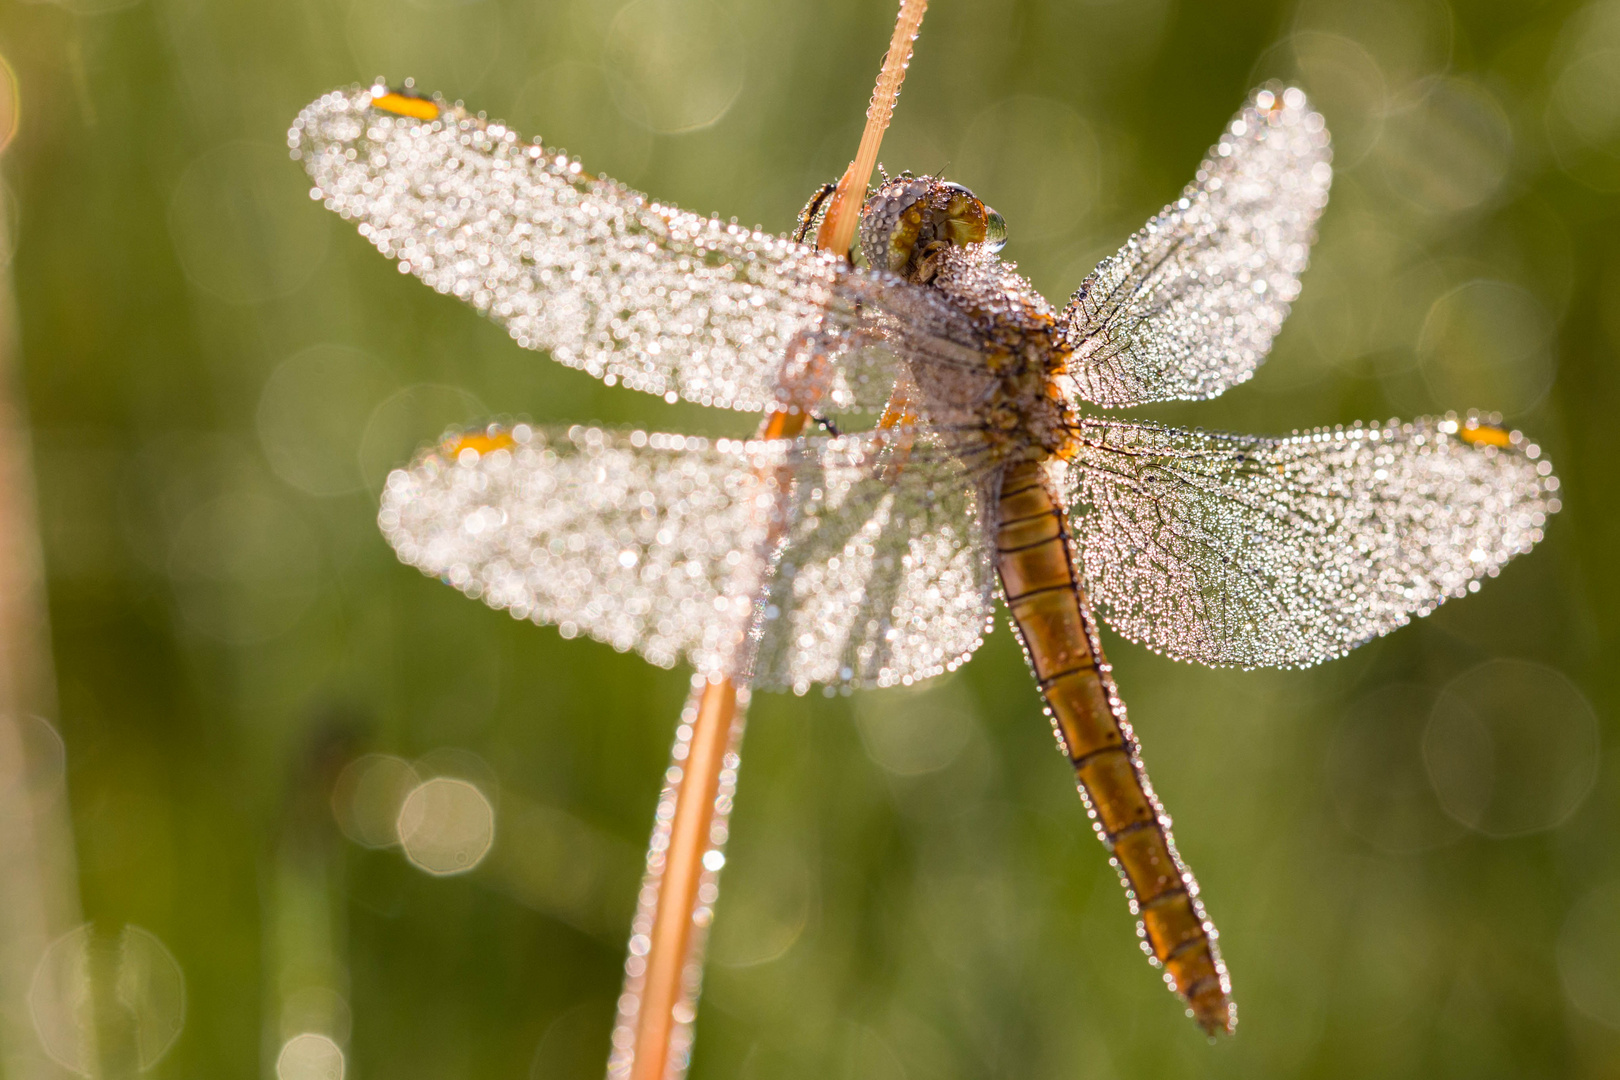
{"x":969,"y":221}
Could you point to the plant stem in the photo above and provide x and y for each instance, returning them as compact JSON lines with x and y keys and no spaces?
{"x":653,"y":1033}
{"x":674,"y":948}
{"x":838,"y":228}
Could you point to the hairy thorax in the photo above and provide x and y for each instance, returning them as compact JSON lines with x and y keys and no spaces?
{"x":1024,"y":413}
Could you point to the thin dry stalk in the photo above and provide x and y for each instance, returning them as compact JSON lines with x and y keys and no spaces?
{"x":672,"y":943}
{"x":656,"y":1012}
{"x":838,"y":228}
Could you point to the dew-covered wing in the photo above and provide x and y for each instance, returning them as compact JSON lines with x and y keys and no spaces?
{"x":609,"y":281}
{"x":663,"y":543}
{"x":884,"y":575}
{"x":1286,"y":552}
{"x":633,"y":540}
{"x":1190,"y":305}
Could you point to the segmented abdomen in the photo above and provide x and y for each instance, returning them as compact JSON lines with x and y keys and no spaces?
{"x":1038,"y":575}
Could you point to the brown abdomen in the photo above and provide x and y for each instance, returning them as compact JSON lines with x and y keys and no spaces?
{"x":1054,"y":619}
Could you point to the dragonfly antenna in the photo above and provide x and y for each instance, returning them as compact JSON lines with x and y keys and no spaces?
{"x":838,"y":228}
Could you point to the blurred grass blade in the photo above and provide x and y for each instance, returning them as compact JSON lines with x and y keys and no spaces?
{"x":38,"y":879}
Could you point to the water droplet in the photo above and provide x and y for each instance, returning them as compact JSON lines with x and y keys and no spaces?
{"x":995,"y":230}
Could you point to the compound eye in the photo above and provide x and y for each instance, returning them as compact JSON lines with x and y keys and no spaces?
{"x":995,"y":230}
{"x":968,"y":221}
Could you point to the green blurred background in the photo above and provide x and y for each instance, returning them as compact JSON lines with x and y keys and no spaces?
{"x":1412,"y":853}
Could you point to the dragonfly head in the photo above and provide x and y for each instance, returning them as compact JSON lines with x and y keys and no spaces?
{"x":909,"y":220}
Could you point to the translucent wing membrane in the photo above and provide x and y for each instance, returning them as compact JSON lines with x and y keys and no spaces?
{"x":665,"y":301}
{"x":659,"y":543}
{"x":884,"y":576}
{"x":635,"y":546}
{"x":1189,"y":306}
{"x":1286,"y":552}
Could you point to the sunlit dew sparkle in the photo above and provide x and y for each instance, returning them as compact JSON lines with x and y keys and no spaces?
{"x":446,"y":826}
{"x":866,"y":560}
{"x":658,"y":543}
{"x":1316,"y":543}
{"x":1215,"y":272}
{"x":523,"y":234}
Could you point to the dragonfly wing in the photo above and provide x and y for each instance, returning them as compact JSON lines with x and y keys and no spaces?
{"x":1189,"y":306}
{"x":608,"y":280}
{"x":1239,"y":550}
{"x":884,"y":576}
{"x":662,"y":543}
{"x":633,"y":545}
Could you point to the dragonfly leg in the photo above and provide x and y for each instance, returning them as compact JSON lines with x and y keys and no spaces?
{"x":1036,"y":560}
{"x":814,"y":210}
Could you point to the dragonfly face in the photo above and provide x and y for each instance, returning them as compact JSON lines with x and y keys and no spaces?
{"x":908,"y":221}
{"x":877,"y":558}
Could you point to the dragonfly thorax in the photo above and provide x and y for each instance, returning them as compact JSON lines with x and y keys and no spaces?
{"x":909,"y":221}
{"x":1015,"y":393}
{"x":940,"y":235}
{"x":1026,"y":416}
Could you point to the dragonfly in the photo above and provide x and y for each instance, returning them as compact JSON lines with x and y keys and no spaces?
{"x":989,"y":466}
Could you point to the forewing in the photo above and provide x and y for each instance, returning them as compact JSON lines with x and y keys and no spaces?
{"x":662,"y":543}
{"x":1286,"y":552}
{"x":1190,"y":305}
{"x":884,"y":576}
{"x":609,"y":281}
